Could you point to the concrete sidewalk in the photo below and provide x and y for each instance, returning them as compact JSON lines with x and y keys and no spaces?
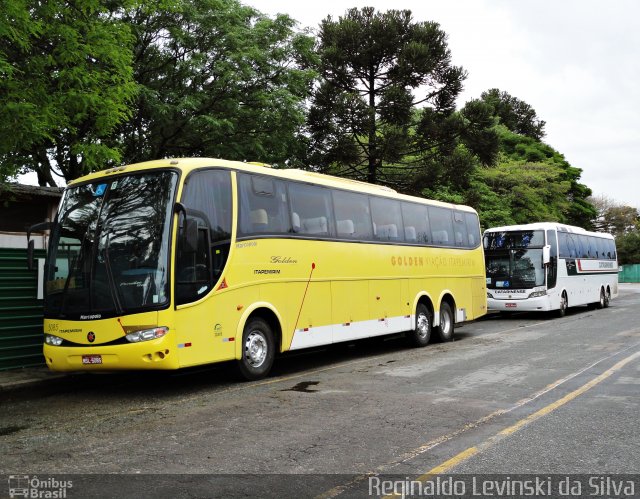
{"x":27,"y":378}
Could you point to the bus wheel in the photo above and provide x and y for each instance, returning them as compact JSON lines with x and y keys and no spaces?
{"x":561,"y":312}
{"x":258,"y":350}
{"x":445,"y":329}
{"x":600,"y":304}
{"x":420,"y":336}
{"x":607,"y":298}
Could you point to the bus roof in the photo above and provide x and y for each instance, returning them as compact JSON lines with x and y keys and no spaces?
{"x":549,"y":225}
{"x":189,"y":164}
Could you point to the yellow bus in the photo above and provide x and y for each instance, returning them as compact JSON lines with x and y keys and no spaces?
{"x":175,"y":263}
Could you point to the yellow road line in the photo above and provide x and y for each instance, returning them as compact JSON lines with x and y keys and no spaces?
{"x":339,"y":489}
{"x":472,"y":451}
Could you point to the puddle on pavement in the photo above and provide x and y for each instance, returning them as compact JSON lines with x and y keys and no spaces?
{"x":303,"y":387}
{"x":8,"y":430}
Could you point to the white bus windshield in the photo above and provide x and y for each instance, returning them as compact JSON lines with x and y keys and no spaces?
{"x":514,"y":259}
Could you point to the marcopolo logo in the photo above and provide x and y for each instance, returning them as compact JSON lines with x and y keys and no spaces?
{"x":38,"y":488}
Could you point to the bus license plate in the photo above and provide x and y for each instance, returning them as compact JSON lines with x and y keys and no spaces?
{"x":92,"y":359}
{"x":511,"y":305}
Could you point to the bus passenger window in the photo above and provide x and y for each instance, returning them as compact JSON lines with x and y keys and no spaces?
{"x":441,"y":225}
{"x":263,"y":205}
{"x":416,"y":223}
{"x":353,"y":208}
{"x":386,"y":219}
{"x":311,"y":209}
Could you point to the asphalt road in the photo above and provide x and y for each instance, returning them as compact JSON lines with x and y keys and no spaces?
{"x":524,"y":394}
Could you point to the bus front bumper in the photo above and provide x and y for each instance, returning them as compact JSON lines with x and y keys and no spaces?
{"x":538,"y":304}
{"x":154,"y":354}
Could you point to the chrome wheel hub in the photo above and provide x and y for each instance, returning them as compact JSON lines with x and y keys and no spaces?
{"x":255,"y":349}
{"x":422,"y":327}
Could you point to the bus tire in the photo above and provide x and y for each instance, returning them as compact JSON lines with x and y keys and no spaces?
{"x":607,"y":298}
{"x":600,"y":303}
{"x":421,"y":334}
{"x":258,"y":350}
{"x":562,"y":311}
{"x":447,"y":323}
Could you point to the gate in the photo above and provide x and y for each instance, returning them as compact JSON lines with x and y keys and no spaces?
{"x":21,"y":314}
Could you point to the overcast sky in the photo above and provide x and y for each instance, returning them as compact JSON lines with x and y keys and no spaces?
{"x":576,"y":62}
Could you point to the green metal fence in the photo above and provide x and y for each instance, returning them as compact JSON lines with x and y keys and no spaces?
{"x":20,"y":311}
{"x":629,"y":273}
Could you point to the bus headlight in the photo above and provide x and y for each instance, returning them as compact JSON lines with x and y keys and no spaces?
{"x":489,"y":295}
{"x":535,"y":294}
{"x":50,"y":339}
{"x":147,"y":334}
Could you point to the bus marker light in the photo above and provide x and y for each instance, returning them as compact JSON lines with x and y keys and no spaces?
{"x":239,"y":307}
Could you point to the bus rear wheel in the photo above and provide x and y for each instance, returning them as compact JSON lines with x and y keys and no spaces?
{"x":607,"y":298}
{"x":447,"y":322}
{"x":258,"y":350}
{"x":419,"y":337}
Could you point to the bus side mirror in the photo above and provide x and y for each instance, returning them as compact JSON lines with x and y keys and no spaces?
{"x":191,"y":235}
{"x":31,"y":243}
{"x":546,"y":254}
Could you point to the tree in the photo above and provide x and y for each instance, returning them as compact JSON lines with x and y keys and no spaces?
{"x":628,"y":246}
{"x":218,"y":79}
{"x":530,"y":182}
{"x":384,"y":111}
{"x":66,"y":83}
{"x":515,"y":114}
{"x":613,"y":217}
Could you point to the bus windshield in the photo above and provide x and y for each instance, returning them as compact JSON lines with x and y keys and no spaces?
{"x":514,"y":259}
{"x":515,"y":269}
{"x":109,"y":251}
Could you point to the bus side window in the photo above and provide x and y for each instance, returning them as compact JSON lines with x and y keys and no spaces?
{"x":563,"y":244}
{"x":354,"y":208}
{"x":263,"y":205}
{"x":207,"y":193}
{"x":416,"y":223}
{"x":473,"y":229}
{"x":441,"y":226}
{"x":460,"y":229}
{"x":311,"y":209}
{"x":386,"y":219}
{"x":611,"y":249}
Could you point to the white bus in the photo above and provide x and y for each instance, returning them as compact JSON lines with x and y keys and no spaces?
{"x":549,"y":266}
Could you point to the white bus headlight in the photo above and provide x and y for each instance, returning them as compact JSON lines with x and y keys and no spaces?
{"x":49,"y":339}
{"x":535,"y":294}
{"x":147,"y":334}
